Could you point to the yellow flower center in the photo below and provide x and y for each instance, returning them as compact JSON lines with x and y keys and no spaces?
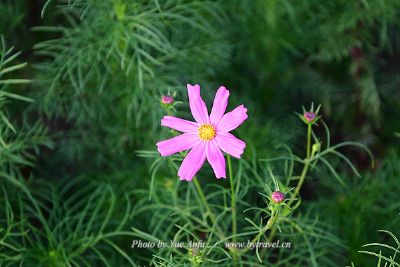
{"x":206,"y":132}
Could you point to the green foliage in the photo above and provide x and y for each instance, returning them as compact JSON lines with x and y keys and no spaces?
{"x":259,"y":219}
{"x":109,"y":63}
{"x":52,"y":225}
{"x":382,"y":259}
{"x":17,"y":148}
{"x":351,"y":208}
{"x":58,"y":225}
{"x":80,"y":176}
{"x":316,"y":51}
{"x":179,"y":214}
{"x":11,"y":15}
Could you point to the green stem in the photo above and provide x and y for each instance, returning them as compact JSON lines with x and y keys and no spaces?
{"x":308,"y":141}
{"x":268,"y":226}
{"x":274,"y":215}
{"x":301,"y":180}
{"x":218,"y":231}
{"x":233,"y":207}
{"x":306,"y":165}
{"x":233,"y":197}
{"x":203,"y":199}
{"x":169,"y":113}
{"x":208,"y":209}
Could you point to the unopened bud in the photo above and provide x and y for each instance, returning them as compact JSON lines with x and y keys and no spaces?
{"x":277,"y":197}
{"x":316,"y":147}
{"x":310,"y":116}
{"x":167,"y":99}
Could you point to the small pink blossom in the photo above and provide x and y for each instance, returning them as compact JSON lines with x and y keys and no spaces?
{"x":167,"y":99}
{"x":277,"y":197}
{"x":207,"y":137}
{"x":310,"y":116}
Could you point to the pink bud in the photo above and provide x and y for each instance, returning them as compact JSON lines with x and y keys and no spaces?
{"x":309,"y":116}
{"x":167,"y":99}
{"x":277,"y":197}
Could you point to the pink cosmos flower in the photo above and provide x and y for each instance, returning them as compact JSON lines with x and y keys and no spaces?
{"x":207,"y":136}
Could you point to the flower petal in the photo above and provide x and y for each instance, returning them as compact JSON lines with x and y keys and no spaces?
{"x":193,"y":162}
{"x":219,"y":106}
{"x":197,"y":105}
{"x":177,"y":144}
{"x":216,"y":159}
{"x":233,"y":119}
{"x":230,"y":144}
{"x":179,"y":124}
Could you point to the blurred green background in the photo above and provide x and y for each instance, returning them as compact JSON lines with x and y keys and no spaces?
{"x":97,"y":70}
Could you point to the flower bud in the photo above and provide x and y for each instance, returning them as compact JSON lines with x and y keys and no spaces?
{"x":277,"y":197}
{"x":167,"y":99}
{"x":310,"y":116}
{"x":316,"y":147}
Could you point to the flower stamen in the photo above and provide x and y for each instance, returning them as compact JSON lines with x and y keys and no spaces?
{"x":206,"y":132}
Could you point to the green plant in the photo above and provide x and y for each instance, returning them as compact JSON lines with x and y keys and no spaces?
{"x":109,"y":62}
{"x":224,"y":238}
{"x":82,"y":185}
{"x":390,"y":249}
